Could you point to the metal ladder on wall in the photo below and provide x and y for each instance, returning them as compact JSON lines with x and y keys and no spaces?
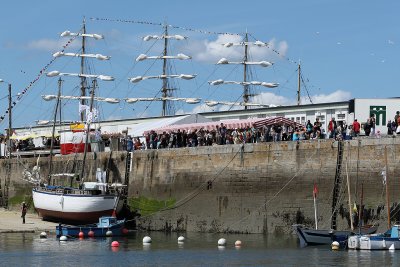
{"x":337,"y":184}
{"x":128,"y":162}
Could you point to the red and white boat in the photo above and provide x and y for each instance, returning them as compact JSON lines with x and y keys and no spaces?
{"x":77,"y":206}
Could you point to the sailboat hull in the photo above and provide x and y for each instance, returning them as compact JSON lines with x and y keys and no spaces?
{"x":73,"y":208}
{"x":309,"y":236}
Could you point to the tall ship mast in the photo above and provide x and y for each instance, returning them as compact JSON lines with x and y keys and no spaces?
{"x":246,"y":83}
{"x":167,"y":96}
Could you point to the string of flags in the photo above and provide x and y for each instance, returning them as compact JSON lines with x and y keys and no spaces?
{"x":161,"y":24}
{"x":277,"y":52}
{"x":41,"y":72}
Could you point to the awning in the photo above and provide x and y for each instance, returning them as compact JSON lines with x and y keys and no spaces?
{"x":230,"y":124}
{"x":274,"y":120}
{"x":23,"y":137}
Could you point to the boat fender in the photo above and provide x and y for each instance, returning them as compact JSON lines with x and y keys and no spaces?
{"x":63,"y":238}
{"x":90,"y":233}
{"x":81,"y":234}
{"x":109,"y":233}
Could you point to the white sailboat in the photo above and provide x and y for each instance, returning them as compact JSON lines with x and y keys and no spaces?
{"x":245,"y":83}
{"x":81,"y":201}
{"x":166,"y":91}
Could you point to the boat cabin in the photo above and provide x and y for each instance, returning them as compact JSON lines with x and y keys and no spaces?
{"x":393,"y":232}
{"x":107,"y":221}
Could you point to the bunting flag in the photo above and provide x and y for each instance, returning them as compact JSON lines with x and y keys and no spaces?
{"x":162,"y":24}
{"x":315,"y":190}
{"x":39,"y":75}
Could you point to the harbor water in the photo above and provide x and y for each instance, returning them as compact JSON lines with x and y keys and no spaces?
{"x":27,"y":249}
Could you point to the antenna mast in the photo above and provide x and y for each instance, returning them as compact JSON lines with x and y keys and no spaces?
{"x":298,"y":86}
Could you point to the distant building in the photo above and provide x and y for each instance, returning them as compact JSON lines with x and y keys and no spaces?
{"x":360,"y":109}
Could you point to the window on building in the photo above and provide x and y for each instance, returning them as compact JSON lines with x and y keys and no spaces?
{"x":341,"y":117}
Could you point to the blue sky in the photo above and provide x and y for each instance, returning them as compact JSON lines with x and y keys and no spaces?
{"x":347,"y":49}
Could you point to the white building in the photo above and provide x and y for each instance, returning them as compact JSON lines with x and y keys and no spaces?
{"x":346,"y":111}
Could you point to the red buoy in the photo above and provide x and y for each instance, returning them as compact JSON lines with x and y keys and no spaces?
{"x":81,"y":234}
{"x":90,"y":233}
{"x":125,"y":231}
{"x":115,"y":244}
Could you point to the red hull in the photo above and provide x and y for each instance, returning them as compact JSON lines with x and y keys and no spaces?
{"x":73,"y":217}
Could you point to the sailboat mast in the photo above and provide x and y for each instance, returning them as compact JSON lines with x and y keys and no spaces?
{"x":53,"y":132}
{"x":165,"y":81}
{"x":83,"y":79}
{"x":246,"y":87}
{"x":387,"y":189}
{"x":9,"y":121}
{"x":298,"y":85}
{"x":88,"y":130}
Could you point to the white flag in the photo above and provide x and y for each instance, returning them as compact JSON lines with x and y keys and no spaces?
{"x":383,"y":177}
{"x":82,"y":108}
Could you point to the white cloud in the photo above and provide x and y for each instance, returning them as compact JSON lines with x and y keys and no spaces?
{"x":212,"y":51}
{"x":336,"y":96}
{"x":49,"y":44}
{"x":272,"y":99}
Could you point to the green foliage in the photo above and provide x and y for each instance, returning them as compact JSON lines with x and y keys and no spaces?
{"x":148,"y":206}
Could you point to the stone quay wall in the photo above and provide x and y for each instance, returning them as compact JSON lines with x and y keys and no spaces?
{"x":254,"y":188}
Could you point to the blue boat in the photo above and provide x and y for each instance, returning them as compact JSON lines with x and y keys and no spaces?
{"x":107,"y":226}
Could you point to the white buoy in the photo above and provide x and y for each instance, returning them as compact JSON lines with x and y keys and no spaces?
{"x":222,"y":242}
{"x":181,"y":239}
{"x":43,"y":235}
{"x":146,"y":240}
{"x":238,"y":243}
{"x":109,"y":233}
{"x":63,"y":238}
{"x":335,"y":245}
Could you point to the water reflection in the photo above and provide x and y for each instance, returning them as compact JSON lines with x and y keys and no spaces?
{"x":259,"y":250}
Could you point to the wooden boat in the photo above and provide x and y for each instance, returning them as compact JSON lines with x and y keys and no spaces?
{"x":107,"y":226}
{"x":71,"y":197}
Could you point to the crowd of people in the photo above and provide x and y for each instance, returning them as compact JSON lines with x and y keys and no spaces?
{"x":222,"y":135}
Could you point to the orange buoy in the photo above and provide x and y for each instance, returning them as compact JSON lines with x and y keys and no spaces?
{"x":114,"y":244}
{"x":81,"y":234}
{"x":125,"y":231}
{"x":90,"y":233}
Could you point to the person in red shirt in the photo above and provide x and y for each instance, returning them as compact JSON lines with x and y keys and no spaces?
{"x":356,"y":127}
